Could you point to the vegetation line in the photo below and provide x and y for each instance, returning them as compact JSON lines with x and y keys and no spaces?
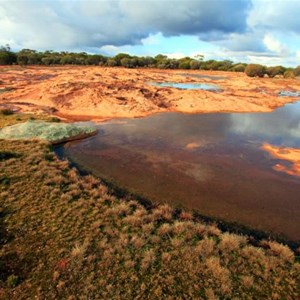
{"x":160,"y":61}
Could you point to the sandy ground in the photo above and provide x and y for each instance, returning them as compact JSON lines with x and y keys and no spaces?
{"x":97,"y":93}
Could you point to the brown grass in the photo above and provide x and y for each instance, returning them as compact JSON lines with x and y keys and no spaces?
{"x":15,"y":118}
{"x":63,"y":236}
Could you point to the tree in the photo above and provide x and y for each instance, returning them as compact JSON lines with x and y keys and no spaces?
{"x":184,"y":63}
{"x":120,"y":56}
{"x":159,"y":58}
{"x":7,"y":57}
{"x":194,"y":64}
{"x":22,"y":59}
{"x":67,"y":60}
{"x":199,"y":57}
{"x":255,"y":70}
{"x":225,"y":65}
{"x":47,"y":60}
{"x":126,"y":62}
{"x":28,"y":57}
{"x":111,"y":62}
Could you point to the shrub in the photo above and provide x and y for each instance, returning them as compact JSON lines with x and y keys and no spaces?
{"x":12,"y":280}
{"x":184,"y":65}
{"x":111,"y":62}
{"x":194,"y":64}
{"x":238,"y":68}
{"x":297,"y":71}
{"x":55,"y":120}
{"x":6,"y":112}
{"x":273,"y":71}
{"x":255,"y":70}
{"x":289,"y":74}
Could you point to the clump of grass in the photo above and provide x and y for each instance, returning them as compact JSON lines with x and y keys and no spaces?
{"x":75,"y":239}
{"x":55,"y":120}
{"x":12,"y":281}
{"x":9,"y":117}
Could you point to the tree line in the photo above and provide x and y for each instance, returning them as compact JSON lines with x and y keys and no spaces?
{"x":32,"y":57}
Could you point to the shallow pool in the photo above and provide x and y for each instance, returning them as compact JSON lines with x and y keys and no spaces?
{"x":289,"y":94}
{"x":189,"y":86}
{"x":212,"y":163}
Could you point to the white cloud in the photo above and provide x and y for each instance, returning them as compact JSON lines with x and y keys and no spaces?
{"x":176,"y":55}
{"x":152,"y":39}
{"x":274,"y":45}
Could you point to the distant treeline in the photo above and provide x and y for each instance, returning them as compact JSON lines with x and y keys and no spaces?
{"x":33,"y":57}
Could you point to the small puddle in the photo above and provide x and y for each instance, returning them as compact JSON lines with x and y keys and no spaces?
{"x":289,"y":94}
{"x":232,"y":166}
{"x":212,"y":77}
{"x":189,"y":86}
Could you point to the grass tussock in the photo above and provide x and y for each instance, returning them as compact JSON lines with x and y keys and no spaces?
{"x":63,"y":236}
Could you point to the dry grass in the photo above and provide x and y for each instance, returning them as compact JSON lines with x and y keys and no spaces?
{"x":66,"y":237}
{"x":15,"y":118}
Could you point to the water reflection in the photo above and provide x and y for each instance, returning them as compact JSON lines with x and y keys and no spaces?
{"x":281,"y":127}
{"x":189,"y":86}
{"x":213,"y":163}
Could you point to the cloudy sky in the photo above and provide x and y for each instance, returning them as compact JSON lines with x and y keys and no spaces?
{"x":263,"y":31}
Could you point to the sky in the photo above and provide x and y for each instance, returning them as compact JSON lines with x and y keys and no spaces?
{"x":252,"y":31}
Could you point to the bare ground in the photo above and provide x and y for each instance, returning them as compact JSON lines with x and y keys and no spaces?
{"x":77,"y":92}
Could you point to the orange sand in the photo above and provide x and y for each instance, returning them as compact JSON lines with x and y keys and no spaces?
{"x":81,"y":92}
{"x":290,"y":154}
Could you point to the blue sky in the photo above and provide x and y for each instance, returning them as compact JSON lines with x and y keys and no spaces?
{"x":262,"y":31}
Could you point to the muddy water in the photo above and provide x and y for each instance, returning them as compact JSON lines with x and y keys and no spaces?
{"x":212,"y":163}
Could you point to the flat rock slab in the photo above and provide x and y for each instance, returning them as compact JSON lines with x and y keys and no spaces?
{"x":54,"y":133}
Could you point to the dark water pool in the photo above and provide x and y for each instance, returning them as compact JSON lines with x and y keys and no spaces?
{"x":212,"y":163}
{"x":189,"y":86}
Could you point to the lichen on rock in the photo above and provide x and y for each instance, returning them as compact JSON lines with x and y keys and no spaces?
{"x":52,"y":132}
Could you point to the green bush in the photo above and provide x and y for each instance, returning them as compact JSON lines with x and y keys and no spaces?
{"x":184,"y":65}
{"x":194,"y":64}
{"x":255,"y":70}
